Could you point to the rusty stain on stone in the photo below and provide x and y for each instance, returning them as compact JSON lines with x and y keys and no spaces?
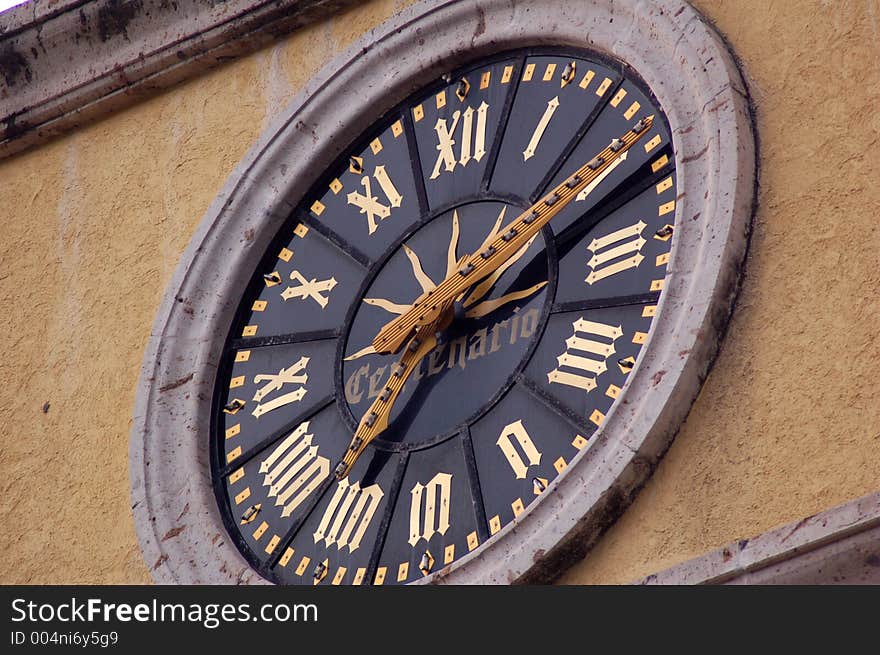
{"x":176,"y":383}
{"x":173,"y":532}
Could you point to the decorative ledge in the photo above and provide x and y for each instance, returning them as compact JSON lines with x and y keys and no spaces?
{"x":64,"y":63}
{"x":838,"y":546}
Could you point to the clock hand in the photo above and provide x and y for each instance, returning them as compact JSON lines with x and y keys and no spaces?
{"x":375,"y":420}
{"x":428,"y":307}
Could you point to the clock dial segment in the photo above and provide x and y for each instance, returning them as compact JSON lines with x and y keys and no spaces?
{"x":271,"y":492}
{"x":626,"y":104}
{"x":556,"y":98}
{"x":370,"y":199}
{"x":306,"y":286}
{"x":456,"y":128}
{"x":521,"y":446}
{"x":585,"y":357}
{"x":271,"y":389}
{"x":530,"y":365}
{"x":435,"y":520}
{"x":625,"y":254}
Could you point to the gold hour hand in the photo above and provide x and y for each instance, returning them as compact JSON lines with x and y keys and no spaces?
{"x":509,"y":240}
{"x":375,"y":420}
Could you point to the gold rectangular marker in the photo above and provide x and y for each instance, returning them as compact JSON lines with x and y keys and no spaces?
{"x":494,"y":524}
{"x":242,"y":356}
{"x":402,"y":571}
{"x":507,"y":74}
{"x":236,"y":475}
{"x":233,"y":430}
{"x":633,"y":108}
{"x":285,"y":558}
{"x":613,"y":391}
{"x":579,"y":442}
{"x":472,"y":540}
{"x":301,"y":231}
{"x":548,"y":74}
{"x":259,"y":305}
{"x":666,"y":207}
{"x":620,"y":95}
{"x":381,"y":572}
{"x":484,"y":79}
{"x":517,"y":507}
{"x":559,"y":465}
{"x":597,"y":417}
{"x":261,"y":530}
{"x":273,"y":544}
{"x":376,"y":146}
{"x":640,"y":337}
{"x":318,"y":208}
{"x":449,"y":554}
{"x":603,"y":87}
{"x":249,"y":331}
{"x":397,"y":128}
{"x":441,"y":100}
{"x":665,"y":184}
{"x":648,"y":311}
{"x":286,"y":254}
{"x":233,"y":454}
{"x":653,"y":143}
{"x":660,"y":163}
{"x":418,"y":113}
{"x":587,"y":79}
{"x":528,"y":73}
{"x":303,"y":565}
{"x":663,"y":259}
{"x":657,"y":285}
{"x":236,"y":382}
{"x":243,"y":495}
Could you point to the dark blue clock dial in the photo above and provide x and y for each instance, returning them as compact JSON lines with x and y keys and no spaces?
{"x":535,"y":360}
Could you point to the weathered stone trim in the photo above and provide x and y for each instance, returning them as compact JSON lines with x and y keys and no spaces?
{"x":64,"y":64}
{"x":838,"y":546}
{"x":697,"y":83}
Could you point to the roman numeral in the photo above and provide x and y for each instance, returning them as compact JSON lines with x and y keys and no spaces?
{"x":607,"y":251}
{"x":347,"y":517}
{"x":309,"y":289}
{"x":369,"y":204}
{"x":473,"y":141}
{"x":435,"y":517}
{"x":585,"y":356}
{"x":293,"y":374}
{"x":529,"y":152}
{"x":517,"y":432}
{"x":294,"y":470}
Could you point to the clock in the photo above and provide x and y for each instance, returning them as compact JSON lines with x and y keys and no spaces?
{"x":444,"y":348}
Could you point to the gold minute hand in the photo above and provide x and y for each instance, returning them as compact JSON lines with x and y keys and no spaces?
{"x":375,"y":421}
{"x":479,"y":265}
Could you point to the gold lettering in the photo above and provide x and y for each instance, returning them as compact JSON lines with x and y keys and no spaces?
{"x":478,"y":344}
{"x":458,"y":346}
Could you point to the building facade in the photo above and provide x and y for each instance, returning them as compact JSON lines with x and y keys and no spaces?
{"x":101,"y":201}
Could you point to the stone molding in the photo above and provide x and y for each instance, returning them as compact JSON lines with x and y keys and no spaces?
{"x":838,"y":546}
{"x":66,"y":63}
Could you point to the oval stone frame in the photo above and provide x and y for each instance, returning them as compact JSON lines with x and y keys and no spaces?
{"x":696,"y":81}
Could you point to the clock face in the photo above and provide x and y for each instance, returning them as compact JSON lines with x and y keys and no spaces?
{"x":536,"y":357}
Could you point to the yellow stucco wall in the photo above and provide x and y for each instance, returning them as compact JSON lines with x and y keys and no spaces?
{"x":94,"y":223}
